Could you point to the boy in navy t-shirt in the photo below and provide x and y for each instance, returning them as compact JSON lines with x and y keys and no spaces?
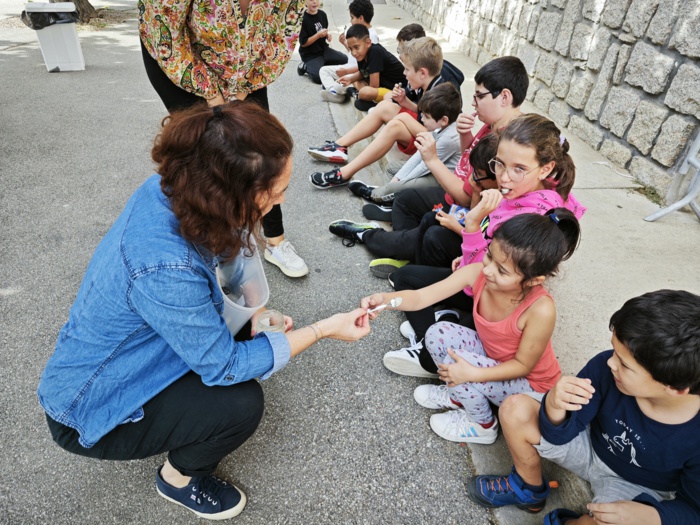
{"x":628,"y":424}
{"x":313,"y":40}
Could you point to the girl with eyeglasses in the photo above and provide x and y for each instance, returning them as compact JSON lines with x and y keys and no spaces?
{"x":534,"y":173}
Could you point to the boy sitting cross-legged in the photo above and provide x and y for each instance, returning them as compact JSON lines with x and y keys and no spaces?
{"x":378,"y":70}
{"x":422,"y":59}
{"x":628,"y":424}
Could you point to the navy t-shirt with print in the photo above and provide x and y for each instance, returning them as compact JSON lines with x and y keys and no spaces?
{"x":310,"y":25}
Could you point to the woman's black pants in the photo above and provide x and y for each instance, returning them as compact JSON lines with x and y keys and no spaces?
{"x":174,"y":98}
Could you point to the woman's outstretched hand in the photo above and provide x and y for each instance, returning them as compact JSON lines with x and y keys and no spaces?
{"x":349,"y":326}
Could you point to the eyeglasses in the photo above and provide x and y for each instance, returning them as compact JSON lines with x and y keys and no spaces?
{"x":515,"y":174}
{"x":488,"y":175}
{"x":478,"y":96}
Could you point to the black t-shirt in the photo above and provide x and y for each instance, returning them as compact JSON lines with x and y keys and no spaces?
{"x":310,"y":25}
{"x":379,"y":60}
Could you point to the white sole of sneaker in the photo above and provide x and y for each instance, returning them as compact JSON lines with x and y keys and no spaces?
{"x":479,"y":440}
{"x":228,"y":514}
{"x":404,"y":368}
{"x":286,"y":271}
{"x":344,"y":183}
{"x":336,"y":159}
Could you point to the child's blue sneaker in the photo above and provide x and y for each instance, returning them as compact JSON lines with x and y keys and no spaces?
{"x":499,"y":491}
{"x":209,"y":497}
{"x":560,"y":517}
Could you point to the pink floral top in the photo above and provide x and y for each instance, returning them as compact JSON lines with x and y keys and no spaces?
{"x":209,"y":46}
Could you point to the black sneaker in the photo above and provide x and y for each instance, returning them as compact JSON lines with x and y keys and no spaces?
{"x":352,"y":92}
{"x":348,"y":230}
{"x":359,"y":188}
{"x":323,"y":180}
{"x":330,"y":152}
{"x":301,"y":69}
{"x":375,"y":212}
{"x":365,"y":105}
{"x":208,"y":497}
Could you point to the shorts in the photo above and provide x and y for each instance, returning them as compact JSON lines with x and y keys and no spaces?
{"x":579,"y":457}
{"x":380,"y":94}
{"x":409,"y":149}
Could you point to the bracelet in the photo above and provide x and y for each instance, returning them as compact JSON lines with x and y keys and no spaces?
{"x":315,"y":332}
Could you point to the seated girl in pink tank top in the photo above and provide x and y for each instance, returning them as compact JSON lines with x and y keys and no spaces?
{"x":511,"y":350}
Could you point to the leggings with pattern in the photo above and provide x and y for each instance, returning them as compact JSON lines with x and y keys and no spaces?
{"x":474,"y":397}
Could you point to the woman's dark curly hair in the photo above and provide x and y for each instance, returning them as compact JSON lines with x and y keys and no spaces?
{"x":214,"y":164}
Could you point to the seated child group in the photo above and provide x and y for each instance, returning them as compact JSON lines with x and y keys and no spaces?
{"x":480,"y":219}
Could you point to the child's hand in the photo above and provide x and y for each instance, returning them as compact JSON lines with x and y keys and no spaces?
{"x":448,"y":221}
{"x":398,"y":94}
{"x":323,"y":32}
{"x":458,"y":372}
{"x":342,"y":40}
{"x":570,"y":393}
{"x":371,"y":302}
{"x":394,"y":179}
{"x":425,"y":144}
{"x":345,"y":80}
{"x":490,"y":199}
{"x":624,"y":512}
{"x":456,"y":263}
{"x":329,"y":37}
{"x":465,"y":123}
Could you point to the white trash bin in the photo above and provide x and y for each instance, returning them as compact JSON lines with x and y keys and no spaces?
{"x":59,"y":42}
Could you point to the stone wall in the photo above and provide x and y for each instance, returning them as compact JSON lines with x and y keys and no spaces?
{"x":623,"y":75}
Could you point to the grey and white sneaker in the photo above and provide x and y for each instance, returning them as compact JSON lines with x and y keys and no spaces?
{"x":434,"y":397}
{"x":329,"y":96}
{"x":405,"y":361}
{"x":285,"y":257}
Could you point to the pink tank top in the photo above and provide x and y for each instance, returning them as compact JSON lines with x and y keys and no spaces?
{"x":502,"y":338}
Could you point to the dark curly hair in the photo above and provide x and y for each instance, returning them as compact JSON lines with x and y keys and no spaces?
{"x":214,"y":164}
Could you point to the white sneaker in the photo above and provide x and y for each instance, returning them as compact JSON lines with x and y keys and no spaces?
{"x":408,"y":332}
{"x":455,"y":425}
{"x":285,"y":257}
{"x":434,"y":397}
{"x":405,"y":362}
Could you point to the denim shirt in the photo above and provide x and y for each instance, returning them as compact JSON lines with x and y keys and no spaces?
{"x":147,"y":312}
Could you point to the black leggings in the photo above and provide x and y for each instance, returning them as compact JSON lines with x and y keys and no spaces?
{"x":174,"y":98}
{"x":414,"y":277}
{"x":198,"y":425}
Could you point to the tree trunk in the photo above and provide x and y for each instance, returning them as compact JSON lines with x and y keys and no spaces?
{"x":84,"y":8}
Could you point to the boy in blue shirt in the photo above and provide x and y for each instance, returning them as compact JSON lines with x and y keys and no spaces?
{"x":628,"y":424}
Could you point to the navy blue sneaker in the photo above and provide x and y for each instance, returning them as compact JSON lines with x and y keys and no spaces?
{"x":499,"y":491}
{"x":359,"y":188}
{"x":560,"y":517}
{"x":209,"y":498}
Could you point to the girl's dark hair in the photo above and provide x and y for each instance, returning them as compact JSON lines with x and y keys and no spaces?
{"x":662,"y":332}
{"x":483,"y":152}
{"x":540,"y":133}
{"x":536,"y":244}
{"x":214,"y":164}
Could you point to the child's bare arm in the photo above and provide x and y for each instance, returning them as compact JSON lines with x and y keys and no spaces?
{"x":374,"y":80}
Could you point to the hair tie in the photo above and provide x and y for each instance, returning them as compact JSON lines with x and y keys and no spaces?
{"x":554,"y":217}
{"x":218,"y":112}
{"x":562,"y":139}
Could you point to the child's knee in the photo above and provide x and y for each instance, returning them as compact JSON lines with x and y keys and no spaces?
{"x":519,"y":411}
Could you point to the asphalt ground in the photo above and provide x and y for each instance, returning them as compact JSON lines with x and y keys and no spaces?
{"x":342,"y":440}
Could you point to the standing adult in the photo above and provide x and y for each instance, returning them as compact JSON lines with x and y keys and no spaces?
{"x":145,"y":363}
{"x":222,"y":50}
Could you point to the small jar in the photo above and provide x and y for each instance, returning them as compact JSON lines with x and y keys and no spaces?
{"x":270,"y":321}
